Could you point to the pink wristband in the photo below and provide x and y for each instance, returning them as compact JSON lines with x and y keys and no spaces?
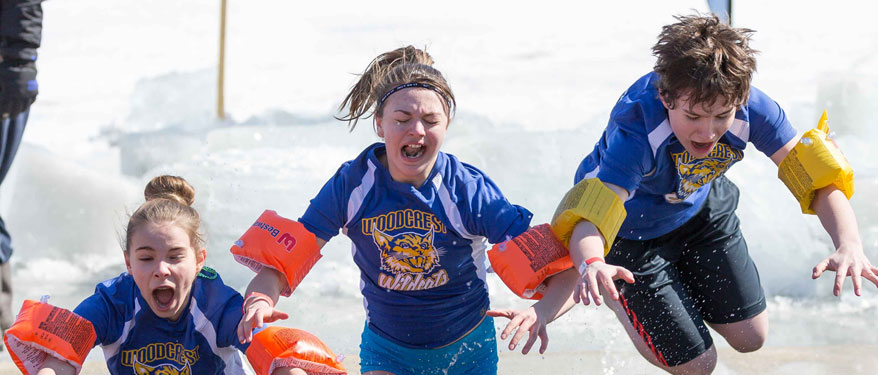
{"x":256,"y":296}
{"x":591,"y":260}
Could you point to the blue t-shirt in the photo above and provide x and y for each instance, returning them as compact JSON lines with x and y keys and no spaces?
{"x":421,"y":251}
{"x":135,"y":340}
{"x":667,"y":186}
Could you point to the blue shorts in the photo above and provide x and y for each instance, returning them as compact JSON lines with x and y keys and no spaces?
{"x":475,"y":353}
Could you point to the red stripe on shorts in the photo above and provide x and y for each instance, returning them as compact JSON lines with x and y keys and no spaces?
{"x":642,"y":331}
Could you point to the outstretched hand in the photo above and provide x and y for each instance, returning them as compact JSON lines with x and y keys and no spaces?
{"x":847,"y":260}
{"x":522,"y":322}
{"x":600,"y":274}
{"x":257,"y":312}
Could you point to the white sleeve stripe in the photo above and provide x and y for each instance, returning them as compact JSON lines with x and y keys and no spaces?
{"x":593,"y":173}
{"x":658,"y":135}
{"x":478,"y":244}
{"x":229,"y":354}
{"x":741,"y":129}
{"x":450,"y":208}
{"x":113,"y":349}
{"x":358,"y":195}
{"x":480,"y":260}
{"x":202,"y":324}
{"x":365,"y":301}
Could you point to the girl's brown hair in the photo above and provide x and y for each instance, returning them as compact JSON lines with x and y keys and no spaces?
{"x":388,"y":71}
{"x":168,"y":200}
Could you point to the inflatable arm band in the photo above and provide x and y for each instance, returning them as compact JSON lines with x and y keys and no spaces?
{"x":276,"y":347}
{"x":589,"y":200}
{"x":42,"y":330}
{"x":279,"y":243}
{"x":524,"y":262}
{"x":816,"y":162}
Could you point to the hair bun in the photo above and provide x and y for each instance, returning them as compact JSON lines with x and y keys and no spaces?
{"x":170,"y":187}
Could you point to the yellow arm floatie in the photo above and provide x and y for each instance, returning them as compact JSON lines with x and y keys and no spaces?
{"x":816,"y":162}
{"x":589,"y":200}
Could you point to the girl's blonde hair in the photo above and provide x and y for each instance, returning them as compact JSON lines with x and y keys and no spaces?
{"x":168,"y":200}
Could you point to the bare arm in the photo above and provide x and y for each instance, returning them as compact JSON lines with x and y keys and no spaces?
{"x":838,"y":219}
{"x":782,"y":153}
{"x":558,"y":298}
{"x":269,"y":282}
{"x":55,"y":366}
{"x":562,"y":290}
{"x":586,"y":243}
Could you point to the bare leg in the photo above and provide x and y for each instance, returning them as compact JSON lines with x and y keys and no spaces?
{"x":703,"y":364}
{"x":747,"y":335}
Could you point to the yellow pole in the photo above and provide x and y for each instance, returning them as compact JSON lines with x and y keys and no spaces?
{"x":220,"y":105}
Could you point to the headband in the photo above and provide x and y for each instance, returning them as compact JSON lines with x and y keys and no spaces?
{"x":413,"y":84}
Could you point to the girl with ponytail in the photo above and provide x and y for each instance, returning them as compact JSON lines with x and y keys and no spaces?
{"x":419,"y":220}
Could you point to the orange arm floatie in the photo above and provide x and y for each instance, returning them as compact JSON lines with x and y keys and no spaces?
{"x":280,"y":243}
{"x":276,"y":347}
{"x":41,"y":330}
{"x":524,"y":262}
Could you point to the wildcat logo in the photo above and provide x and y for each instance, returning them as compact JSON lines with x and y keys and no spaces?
{"x":406,"y":252}
{"x":695,"y":173}
{"x":410,"y":257}
{"x":163,"y":369}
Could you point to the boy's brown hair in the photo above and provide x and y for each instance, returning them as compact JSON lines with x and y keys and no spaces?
{"x":703,"y":58}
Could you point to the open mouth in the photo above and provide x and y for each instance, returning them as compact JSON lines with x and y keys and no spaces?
{"x":413,"y":151}
{"x":702,"y":147}
{"x":163,"y":297}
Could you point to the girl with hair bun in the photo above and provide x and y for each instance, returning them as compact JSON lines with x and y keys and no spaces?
{"x":419,"y":220}
{"x":169,"y":314}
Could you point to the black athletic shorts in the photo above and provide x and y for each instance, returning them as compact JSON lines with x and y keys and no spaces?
{"x":699,"y":272}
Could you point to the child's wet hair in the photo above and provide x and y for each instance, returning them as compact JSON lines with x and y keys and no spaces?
{"x":387,"y":71}
{"x":707,"y":60}
{"x":168,"y":200}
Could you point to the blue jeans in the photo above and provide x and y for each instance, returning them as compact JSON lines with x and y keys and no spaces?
{"x":11,"y":130}
{"x":475,"y":353}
